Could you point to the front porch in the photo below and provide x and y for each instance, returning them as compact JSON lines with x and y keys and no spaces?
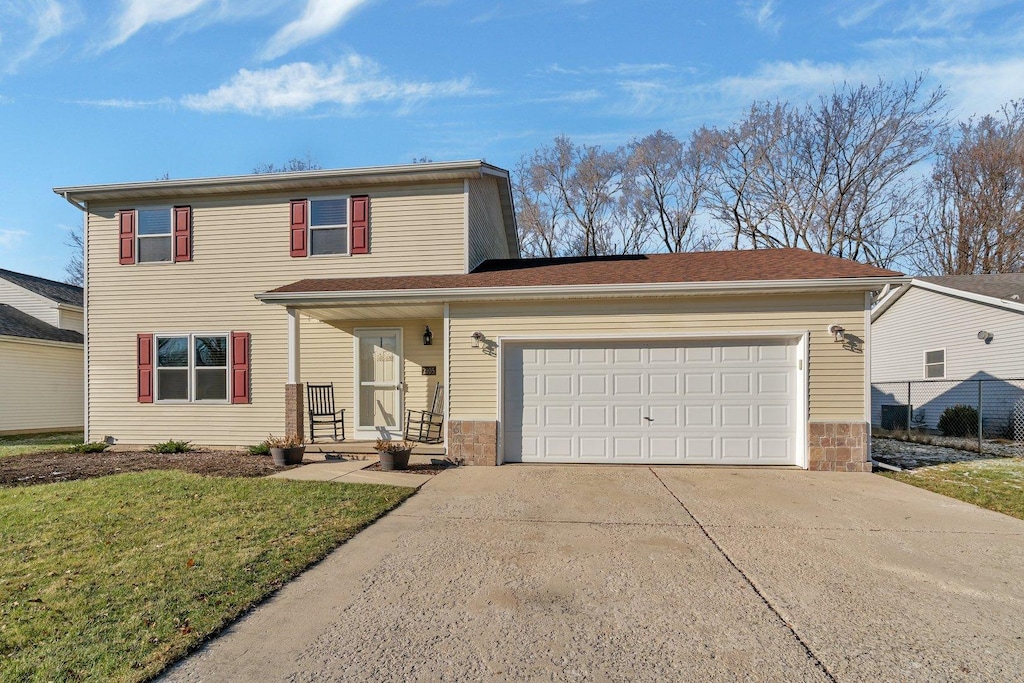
{"x":381,"y":362}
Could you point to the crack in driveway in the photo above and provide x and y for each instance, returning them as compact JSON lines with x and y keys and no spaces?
{"x":778,"y":615}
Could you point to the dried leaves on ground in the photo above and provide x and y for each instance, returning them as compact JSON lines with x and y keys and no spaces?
{"x":46,"y":468}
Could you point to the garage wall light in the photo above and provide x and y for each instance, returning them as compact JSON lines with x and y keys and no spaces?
{"x":477,"y":337}
{"x":837,"y":331}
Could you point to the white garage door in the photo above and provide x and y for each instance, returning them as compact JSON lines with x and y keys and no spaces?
{"x":653,"y":402}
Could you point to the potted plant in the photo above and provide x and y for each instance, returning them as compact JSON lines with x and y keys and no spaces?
{"x":394,"y":455}
{"x":286,"y":450}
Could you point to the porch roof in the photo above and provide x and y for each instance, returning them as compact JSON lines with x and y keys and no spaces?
{"x":764,"y":270}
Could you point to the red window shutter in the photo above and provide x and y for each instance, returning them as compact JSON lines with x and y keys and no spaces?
{"x":298,"y":230}
{"x":240,"y":367}
{"x":144,"y":342}
{"x":182,"y":233}
{"x":360,"y":223}
{"x":126,"y":218}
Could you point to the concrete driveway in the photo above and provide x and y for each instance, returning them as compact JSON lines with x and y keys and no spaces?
{"x":634,"y":573}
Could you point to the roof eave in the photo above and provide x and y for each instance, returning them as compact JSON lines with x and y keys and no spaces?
{"x":457,"y":294}
{"x":948,"y":291}
{"x":283,"y":182}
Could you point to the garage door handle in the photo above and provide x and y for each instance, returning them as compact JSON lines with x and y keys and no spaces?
{"x":649,"y":419}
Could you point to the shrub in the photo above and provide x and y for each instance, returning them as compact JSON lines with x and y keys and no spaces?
{"x":262,"y":448}
{"x":90,"y":447}
{"x":959,"y":420}
{"x":172,"y":446}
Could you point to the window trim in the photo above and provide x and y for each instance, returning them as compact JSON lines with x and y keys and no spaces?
{"x":926,"y":364}
{"x":191,"y":336}
{"x":347,"y":227}
{"x":139,"y":236}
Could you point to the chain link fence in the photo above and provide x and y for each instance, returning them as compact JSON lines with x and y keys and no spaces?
{"x":983,"y":415}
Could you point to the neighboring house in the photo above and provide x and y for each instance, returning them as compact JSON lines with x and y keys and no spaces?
{"x":42,"y":368}
{"x":941,"y":334}
{"x":211,"y":301}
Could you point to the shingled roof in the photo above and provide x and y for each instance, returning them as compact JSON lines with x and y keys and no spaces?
{"x":15,"y":323}
{"x":697,"y":267}
{"x":1009,"y":286}
{"x":60,"y":292}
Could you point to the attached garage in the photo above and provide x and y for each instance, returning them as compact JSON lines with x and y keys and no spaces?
{"x":659,"y":401}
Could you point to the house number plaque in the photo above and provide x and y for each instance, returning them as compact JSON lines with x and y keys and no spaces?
{"x":429,"y":369}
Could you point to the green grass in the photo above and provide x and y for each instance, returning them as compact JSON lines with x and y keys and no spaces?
{"x":116,"y":577}
{"x":36,"y":443}
{"x":996,"y":484}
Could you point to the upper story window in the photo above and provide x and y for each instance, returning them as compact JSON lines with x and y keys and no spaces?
{"x":935,"y":364}
{"x":328,"y":226}
{"x":154,"y":235}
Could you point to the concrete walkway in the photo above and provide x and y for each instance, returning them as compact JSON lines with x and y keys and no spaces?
{"x":350,"y":469}
{"x":634,"y":573}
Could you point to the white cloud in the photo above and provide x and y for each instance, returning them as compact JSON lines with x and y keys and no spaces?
{"x":319,"y":18}
{"x":137,"y":14}
{"x":120,"y":103}
{"x":301,"y":86}
{"x":793,"y":79}
{"x":29,"y":25}
{"x":979,"y":88}
{"x":620,"y":69}
{"x":10,"y":238}
{"x":761,"y":14}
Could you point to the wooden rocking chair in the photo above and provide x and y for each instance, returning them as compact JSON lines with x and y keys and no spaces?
{"x":425,"y":425}
{"x":320,"y":405}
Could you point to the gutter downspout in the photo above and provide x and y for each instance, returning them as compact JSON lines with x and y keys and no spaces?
{"x":72,"y":202}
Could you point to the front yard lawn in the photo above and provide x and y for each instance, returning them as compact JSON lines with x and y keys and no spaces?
{"x":113,"y":578}
{"x":35,"y":443}
{"x":996,"y":484}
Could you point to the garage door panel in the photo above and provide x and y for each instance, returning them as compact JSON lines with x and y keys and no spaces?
{"x":708,"y":402}
{"x":699,"y":384}
{"x":734,"y":383}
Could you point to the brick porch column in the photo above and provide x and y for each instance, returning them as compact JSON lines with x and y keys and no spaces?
{"x":294,"y":415}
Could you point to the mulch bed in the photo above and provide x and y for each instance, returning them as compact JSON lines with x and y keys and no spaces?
{"x":414,"y":468}
{"x":47,"y":468}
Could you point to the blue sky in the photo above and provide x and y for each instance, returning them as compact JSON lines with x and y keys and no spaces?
{"x":126,"y":90}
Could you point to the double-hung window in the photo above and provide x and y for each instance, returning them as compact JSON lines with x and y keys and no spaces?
{"x":192,"y":367}
{"x":328,"y":226}
{"x":154,"y":235}
{"x":935,"y":364}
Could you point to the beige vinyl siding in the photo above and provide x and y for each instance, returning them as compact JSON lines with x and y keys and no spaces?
{"x":41,"y":386}
{"x":836,"y":375}
{"x":71,"y":320}
{"x":240,"y":248}
{"x":901,"y":335}
{"x":29,"y":302}
{"x":487,"y":238}
{"x":327,"y":356}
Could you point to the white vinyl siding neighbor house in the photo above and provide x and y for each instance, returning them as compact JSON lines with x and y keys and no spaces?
{"x":950,"y":331}
{"x":42,"y":383}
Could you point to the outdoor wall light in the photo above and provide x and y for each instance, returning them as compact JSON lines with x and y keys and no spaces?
{"x":986,"y":336}
{"x":428,"y":336}
{"x":837,"y":331}
{"x":477,"y":337}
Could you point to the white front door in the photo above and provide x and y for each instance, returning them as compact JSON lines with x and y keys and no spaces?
{"x":378,"y":383}
{"x":701,"y":402}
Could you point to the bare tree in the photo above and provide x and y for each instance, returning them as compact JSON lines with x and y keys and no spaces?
{"x":974,"y":222}
{"x":74,"y":269}
{"x":664,"y":183}
{"x":306,"y":163}
{"x":569,"y":197}
{"x":835,"y":177}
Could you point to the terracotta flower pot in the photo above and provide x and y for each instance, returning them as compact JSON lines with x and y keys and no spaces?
{"x":394,"y":460}
{"x":287,"y":456}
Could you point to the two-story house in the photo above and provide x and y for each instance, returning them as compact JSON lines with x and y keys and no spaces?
{"x":211,"y":301}
{"x":42,"y":369}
